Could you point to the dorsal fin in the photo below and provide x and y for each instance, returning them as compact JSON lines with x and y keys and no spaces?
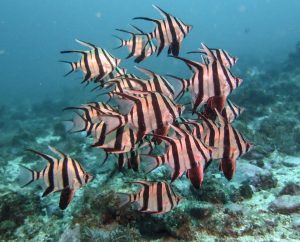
{"x":147,"y":72}
{"x":162,"y":12}
{"x":192,"y":65}
{"x":56,"y":151}
{"x":138,"y":29}
{"x":48,"y":158}
{"x":126,"y":31}
{"x":89,"y":45}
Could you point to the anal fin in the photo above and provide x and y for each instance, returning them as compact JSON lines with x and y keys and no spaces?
{"x":66,"y":197}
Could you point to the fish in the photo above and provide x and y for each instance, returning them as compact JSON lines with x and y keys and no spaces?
{"x":153,"y":198}
{"x":117,"y":72}
{"x":220,"y":55}
{"x":150,"y":111}
{"x":140,"y":45}
{"x":229,"y":142}
{"x":132,"y":159}
{"x":230,"y":112}
{"x":87,"y":115}
{"x":169,"y":32}
{"x":96,"y":63}
{"x":184,"y":153}
{"x":156,"y":83}
{"x":64,"y":175}
{"x":210,"y":83}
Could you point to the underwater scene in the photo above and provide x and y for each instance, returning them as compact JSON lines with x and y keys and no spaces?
{"x":150,"y":120}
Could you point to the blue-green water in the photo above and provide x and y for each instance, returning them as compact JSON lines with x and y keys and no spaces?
{"x":260,"y":203}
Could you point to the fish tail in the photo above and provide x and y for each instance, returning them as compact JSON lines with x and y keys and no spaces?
{"x":122,"y":42}
{"x":150,"y":162}
{"x":73,"y":66}
{"x":27,"y":176}
{"x":124,"y":199}
{"x":78,"y":124}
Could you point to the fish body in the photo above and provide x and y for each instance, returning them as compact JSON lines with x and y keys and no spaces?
{"x":184,"y":153}
{"x":210,"y":82}
{"x":140,"y":45}
{"x":95,"y":64}
{"x":169,"y":32}
{"x":220,"y":55}
{"x":154,"y":197}
{"x":64,"y":175}
{"x":230,"y":143}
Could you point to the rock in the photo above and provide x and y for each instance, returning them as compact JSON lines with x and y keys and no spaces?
{"x":243,"y":192}
{"x":296,"y":221}
{"x":246,"y":171}
{"x":286,"y":204}
{"x":234,"y":209}
{"x":202,"y":211}
{"x":291,"y":161}
{"x":71,"y":234}
{"x":290,"y":188}
{"x":265,"y":181}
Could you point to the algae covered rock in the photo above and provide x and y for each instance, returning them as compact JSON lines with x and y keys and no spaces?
{"x":286,"y":204}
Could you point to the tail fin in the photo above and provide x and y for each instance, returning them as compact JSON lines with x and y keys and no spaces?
{"x":150,"y":163}
{"x":73,"y":66}
{"x":185,"y":84}
{"x":27,"y":176}
{"x":124,"y":199}
{"x":122,"y":42}
{"x":78,"y":124}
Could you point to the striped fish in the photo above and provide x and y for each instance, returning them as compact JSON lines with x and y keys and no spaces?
{"x":64,"y":175}
{"x":156,"y":83}
{"x":87,"y":115}
{"x":117,"y":72}
{"x":169,"y":31}
{"x":140,"y":45}
{"x":96,"y":64}
{"x":185,"y":153}
{"x":210,"y":83}
{"x":150,"y":111}
{"x":220,"y":55}
{"x":132,"y":159}
{"x":154,"y":197}
{"x":121,"y":140}
{"x":230,"y":112}
{"x":229,"y":142}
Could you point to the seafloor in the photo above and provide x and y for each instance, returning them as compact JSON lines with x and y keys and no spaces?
{"x":261,"y":203}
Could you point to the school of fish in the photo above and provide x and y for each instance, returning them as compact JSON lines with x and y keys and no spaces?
{"x":142,"y":122}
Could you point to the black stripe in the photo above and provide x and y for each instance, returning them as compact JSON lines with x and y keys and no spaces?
{"x":157,"y":111}
{"x":238,"y":141}
{"x":100,"y":65}
{"x":145,"y":198}
{"x":216,"y":80}
{"x":169,"y":194}
{"x":65,"y":175}
{"x":226,"y":142}
{"x":86,"y":65}
{"x":159,"y":197}
{"x":76,"y":171}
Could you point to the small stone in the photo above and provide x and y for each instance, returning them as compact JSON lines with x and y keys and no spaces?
{"x":265,"y":181}
{"x":296,"y":221}
{"x":286,"y":204}
{"x":290,"y":188}
{"x":201,"y":212}
{"x":71,"y":234}
{"x":291,"y":161}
